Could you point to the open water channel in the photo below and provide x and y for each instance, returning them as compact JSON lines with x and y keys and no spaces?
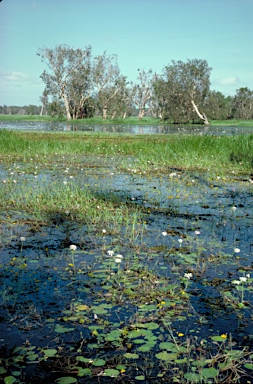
{"x":130,"y":129}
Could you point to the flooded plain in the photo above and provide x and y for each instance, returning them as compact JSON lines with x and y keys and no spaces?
{"x":151,"y":300}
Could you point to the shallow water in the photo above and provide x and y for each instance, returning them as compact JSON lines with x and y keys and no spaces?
{"x":193,"y":207}
{"x":130,"y":129}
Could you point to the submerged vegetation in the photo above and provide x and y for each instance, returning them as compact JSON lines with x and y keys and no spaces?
{"x":125,"y":258}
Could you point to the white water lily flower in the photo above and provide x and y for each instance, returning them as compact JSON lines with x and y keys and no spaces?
{"x":118,"y":260}
{"x":248,"y":275}
{"x":236,"y":282}
{"x":73,"y":247}
{"x":104,"y":230}
{"x":237,"y":250}
{"x":188,"y":275}
{"x":197,"y":232}
{"x":22,"y":238}
{"x":234,"y":208}
{"x":164,"y":233}
{"x":110,"y":253}
{"x":180,"y":241}
{"x":243,"y":279}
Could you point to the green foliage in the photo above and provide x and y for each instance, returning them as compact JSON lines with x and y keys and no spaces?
{"x":182,"y":83}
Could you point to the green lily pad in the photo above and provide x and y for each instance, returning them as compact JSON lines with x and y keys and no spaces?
{"x":165,"y":356}
{"x":82,"y":359}
{"x":248,"y":366}
{"x":113,"y":335}
{"x":131,"y":355}
{"x":193,"y":377}
{"x":9,"y":380}
{"x":60,"y":329}
{"x":99,"y":362}
{"x":218,"y":338}
{"x":84,"y":372}
{"x":66,"y":380}
{"x":168,"y":346}
{"x":144,"y":348}
{"x":50,"y":352}
{"x":111,"y":372}
{"x":32,"y":357}
{"x":210,"y":373}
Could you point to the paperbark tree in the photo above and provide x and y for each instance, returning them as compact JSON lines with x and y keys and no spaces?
{"x":142,"y":91}
{"x":68,"y":74}
{"x":242,"y":104}
{"x":218,"y":106}
{"x":107,"y":80}
{"x":185,"y":88}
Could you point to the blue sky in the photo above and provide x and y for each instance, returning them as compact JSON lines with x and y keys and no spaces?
{"x":143,"y":33}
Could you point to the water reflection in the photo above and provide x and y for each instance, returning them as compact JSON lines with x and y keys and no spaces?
{"x":130,"y":129}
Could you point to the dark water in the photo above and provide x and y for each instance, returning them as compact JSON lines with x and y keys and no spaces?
{"x":130,"y":129}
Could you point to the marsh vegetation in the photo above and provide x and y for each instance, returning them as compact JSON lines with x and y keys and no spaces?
{"x":125,"y":258}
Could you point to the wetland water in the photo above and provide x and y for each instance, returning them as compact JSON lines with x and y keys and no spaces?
{"x":184,"y":284}
{"x":130,"y":129}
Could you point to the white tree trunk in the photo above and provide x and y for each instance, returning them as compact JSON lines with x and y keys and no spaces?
{"x":66,"y":103}
{"x":201,"y":116}
{"x":104,"y":112}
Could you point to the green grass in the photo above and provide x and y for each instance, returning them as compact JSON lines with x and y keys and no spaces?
{"x":26,"y":118}
{"x":151,"y":152}
{"x":233,"y":122}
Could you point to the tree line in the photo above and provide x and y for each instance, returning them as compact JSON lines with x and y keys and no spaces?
{"x":80,"y":85}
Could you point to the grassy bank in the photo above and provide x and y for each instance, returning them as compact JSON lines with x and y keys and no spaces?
{"x":126,"y":121}
{"x":151,"y":152}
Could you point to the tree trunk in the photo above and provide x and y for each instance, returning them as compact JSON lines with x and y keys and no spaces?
{"x":66,"y":103}
{"x":41,"y":110}
{"x":201,"y":116}
{"x":141,"y":113}
{"x":104,"y":112}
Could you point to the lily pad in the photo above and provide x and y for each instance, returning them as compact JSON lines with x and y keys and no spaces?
{"x":129,"y":355}
{"x":9,"y":380}
{"x":99,"y":362}
{"x":165,"y":356}
{"x":66,"y":380}
{"x":49,"y":352}
{"x":60,"y":329}
{"x":210,"y":373}
{"x":111,"y":372}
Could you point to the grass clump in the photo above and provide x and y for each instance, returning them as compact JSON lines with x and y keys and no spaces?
{"x":159,"y":152}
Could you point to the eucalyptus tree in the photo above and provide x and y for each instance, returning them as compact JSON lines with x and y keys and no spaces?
{"x":44,"y":102}
{"x":186,"y":88}
{"x":107,"y":81}
{"x":218,"y":106}
{"x":159,"y":98}
{"x":121,"y":104}
{"x":68,"y":75}
{"x":242,"y":104}
{"x":142,"y":91}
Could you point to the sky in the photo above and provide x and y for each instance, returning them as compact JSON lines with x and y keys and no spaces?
{"x":144,"y":34}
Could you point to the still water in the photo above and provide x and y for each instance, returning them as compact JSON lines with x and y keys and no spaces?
{"x":129,"y":129}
